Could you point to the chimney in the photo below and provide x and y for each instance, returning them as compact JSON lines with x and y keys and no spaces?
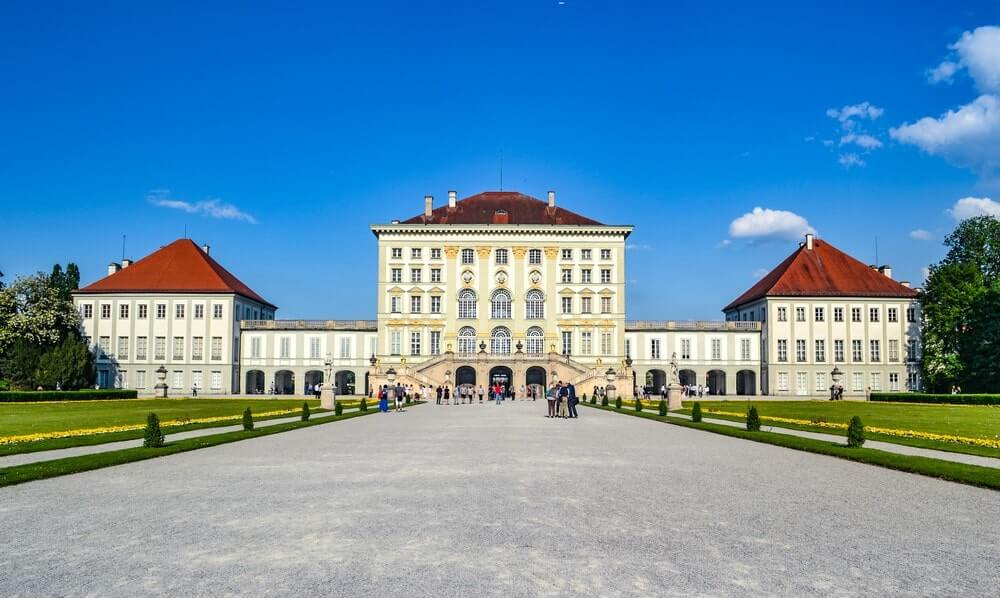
{"x":809,"y":241}
{"x":452,"y":198}
{"x":206,"y":247}
{"x":126,"y":263}
{"x":552,"y":199}
{"x":887,"y":270}
{"x":113,"y":267}
{"x":428,"y":205}
{"x":905,"y":283}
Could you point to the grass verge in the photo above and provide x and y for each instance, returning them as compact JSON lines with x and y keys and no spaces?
{"x":973,"y":475}
{"x":58,"y":467}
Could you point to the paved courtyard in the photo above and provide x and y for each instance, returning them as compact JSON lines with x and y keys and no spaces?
{"x":486,"y":500}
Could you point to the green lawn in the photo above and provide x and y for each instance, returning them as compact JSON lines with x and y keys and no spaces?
{"x":972,"y":421}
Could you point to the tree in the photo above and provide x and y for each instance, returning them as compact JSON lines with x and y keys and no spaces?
{"x":65,"y":283}
{"x":976,"y":241}
{"x":19,"y":364}
{"x":70,"y":364}
{"x":34,"y":311}
{"x":979,"y":347}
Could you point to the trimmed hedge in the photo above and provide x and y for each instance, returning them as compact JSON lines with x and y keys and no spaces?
{"x":34,"y":396}
{"x":926,"y":397}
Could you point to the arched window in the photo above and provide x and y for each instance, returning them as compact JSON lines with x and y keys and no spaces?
{"x":466,"y":303}
{"x":467,"y":340}
{"x":500,"y":341}
{"x":500,"y":305}
{"x":534,"y":305}
{"x":536,"y":341}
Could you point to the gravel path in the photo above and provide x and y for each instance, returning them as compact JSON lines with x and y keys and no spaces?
{"x":487,"y":500}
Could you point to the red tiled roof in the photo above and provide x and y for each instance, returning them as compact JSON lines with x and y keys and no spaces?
{"x":180,"y":267}
{"x":823,"y":271}
{"x":520,"y":209}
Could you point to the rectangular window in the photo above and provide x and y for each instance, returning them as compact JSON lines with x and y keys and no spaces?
{"x":782,"y":349}
{"x":216,"y":348}
{"x":160,"y":347}
{"x":397,"y":253}
{"x":567,"y":254}
{"x":911,"y":350}
{"x":838,"y":314}
{"x":800,"y":314}
{"x":394,"y":342}
{"x":217,"y":311}
{"x":874,"y":348}
{"x":819,"y":314}
{"x":858,"y":382}
{"x":585,"y":276}
{"x":284,"y":347}
{"x":893,"y":382}
{"x":416,"y":253}
{"x":140,"y":347}
{"x":912,"y":381}
{"x":416,"y":274}
{"x":255,"y":346}
{"x":586,"y":343}
{"x":435,"y":274}
{"x":782,"y":314}
{"x":178,"y":353}
{"x":855,"y":314}
{"x":873,"y":314}
{"x":87,"y":311}
{"x":534,"y":257}
{"x":435,"y":304}
{"x":196,"y":379}
{"x":345,"y":347}
{"x":198,"y":348}
{"x":394,"y":304}
{"x":605,"y":254}
{"x":396,"y":275}
{"x":178,"y":379}
{"x":716,"y":349}
{"x":567,"y":305}
{"x":783,"y":381}
{"x":605,"y":343}
{"x":161,"y":311}
{"x":892,"y":314}
{"x":800,"y":350}
{"x":911,"y":314}
{"x":745,"y":349}
{"x":820,"y":350}
{"x":801,"y":383}
{"x":140,"y":378}
{"x":468,"y":256}
{"x":605,"y":305}
{"x":199,"y":311}
{"x":414,"y":343}
{"x":436,"y":253}
{"x":314,"y":347}
{"x":585,"y":254}
{"x":123,"y":348}
{"x":567,"y":342}
{"x":838,"y":350}
{"x":628,"y":347}
{"x":435,"y":342}
{"x":501,"y":257}
{"x":585,"y":305}
{"x":105,"y":311}
{"x":142,"y":311}
{"x":179,"y":311}
{"x":605,"y":276}
{"x":856,"y":354}
{"x":821,"y":381}
{"x":415,"y":304}
{"x":893,"y":350}
{"x":685,"y":348}
{"x":876,"y":381}
{"x":123,"y":311}
{"x":216,"y":380}
{"x":654,"y":348}
{"x":567,"y":276}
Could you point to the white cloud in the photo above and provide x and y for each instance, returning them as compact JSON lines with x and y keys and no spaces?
{"x":725,"y":243}
{"x":863,"y":140}
{"x":766,"y":224}
{"x":861,"y":111}
{"x":979,"y":54}
{"x":850,"y":159}
{"x":926,"y":272}
{"x":970,"y":207}
{"x":638,"y":247}
{"x":921,"y":235}
{"x":760,"y":273}
{"x":213,"y":208}
{"x":968,"y":137}
{"x":942,"y":73}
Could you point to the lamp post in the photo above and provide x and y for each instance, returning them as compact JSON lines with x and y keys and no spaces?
{"x":835,"y":377}
{"x":161,"y":386}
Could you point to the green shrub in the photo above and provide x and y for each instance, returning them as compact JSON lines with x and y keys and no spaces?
{"x":407,"y":400}
{"x":855,"y":433}
{"x":31,"y":396}
{"x":305,"y":411}
{"x":153,"y":437}
{"x":247,"y":420}
{"x":926,"y":397}
{"x":753,"y":420}
{"x":604,"y":401}
{"x":663,"y":408}
{"x":584,"y":399}
{"x":593,"y":400}
{"x":363,"y":406}
{"x":338,"y":408}
{"x":638,"y":406}
{"x":696,"y":412}
{"x":618,"y":402}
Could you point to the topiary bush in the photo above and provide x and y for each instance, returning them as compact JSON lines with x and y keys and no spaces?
{"x":338,"y":408}
{"x":753,"y":420}
{"x":696,"y":412}
{"x":604,"y":401}
{"x":153,"y":438}
{"x":363,"y":406}
{"x":618,"y":402}
{"x":305,"y":411}
{"x":638,"y":406}
{"x":407,"y":400}
{"x":855,"y":433}
{"x":593,"y":400}
{"x":663,"y":408}
{"x":247,"y":420}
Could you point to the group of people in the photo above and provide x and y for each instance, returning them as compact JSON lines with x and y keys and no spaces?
{"x":395,"y":394}
{"x":562,"y":401}
{"x":468,"y":393}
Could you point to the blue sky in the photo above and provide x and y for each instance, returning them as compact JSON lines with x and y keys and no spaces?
{"x":278,"y":133}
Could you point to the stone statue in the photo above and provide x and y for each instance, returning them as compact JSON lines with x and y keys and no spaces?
{"x":674,"y":377}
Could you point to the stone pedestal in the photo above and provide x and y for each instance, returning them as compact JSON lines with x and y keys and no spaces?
{"x":674,"y":394}
{"x":327,"y":397}
{"x":160,"y":391}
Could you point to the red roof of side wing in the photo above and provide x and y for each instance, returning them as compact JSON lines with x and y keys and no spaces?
{"x":180,"y":267}
{"x":823,"y":271}
{"x":520,"y":209}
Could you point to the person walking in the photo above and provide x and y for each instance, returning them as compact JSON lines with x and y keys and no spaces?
{"x":572,"y":399}
{"x":383,"y":399}
{"x":550,"y":397}
{"x":562,"y":400}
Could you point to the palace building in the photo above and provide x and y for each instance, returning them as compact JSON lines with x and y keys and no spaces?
{"x":503,"y":287}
